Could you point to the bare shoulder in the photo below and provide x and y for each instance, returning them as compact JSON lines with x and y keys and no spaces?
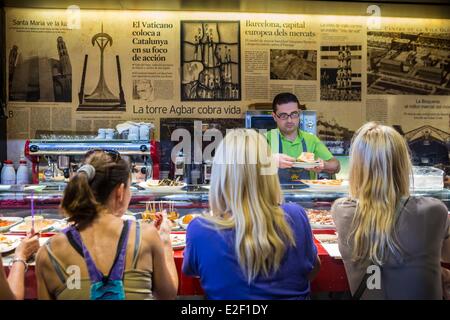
{"x":58,"y":240}
{"x":59,"y":246}
{"x":42,"y":257}
{"x":59,"y":243}
{"x":150,"y":235}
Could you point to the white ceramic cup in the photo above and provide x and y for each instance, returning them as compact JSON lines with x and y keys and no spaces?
{"x":144,"y":132}
{"x":133,"y":133}
{"x":133,"y":137}
{"x":101,"y":134}
{"x":110,"y":134}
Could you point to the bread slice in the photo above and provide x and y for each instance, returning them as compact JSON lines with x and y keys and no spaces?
{"x":306,"y":157}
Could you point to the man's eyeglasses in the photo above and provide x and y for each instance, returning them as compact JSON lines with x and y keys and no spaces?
{"x":114,"y":154}
{"x":285,"y":116}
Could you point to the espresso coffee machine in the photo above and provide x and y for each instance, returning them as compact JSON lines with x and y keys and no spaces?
{"x":56,"y":160}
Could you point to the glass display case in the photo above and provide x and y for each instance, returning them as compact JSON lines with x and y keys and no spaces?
{"x":17,"y":201}
{"x":190,"y":199}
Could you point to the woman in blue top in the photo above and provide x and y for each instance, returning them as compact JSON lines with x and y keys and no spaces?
{"x":251,"y":247}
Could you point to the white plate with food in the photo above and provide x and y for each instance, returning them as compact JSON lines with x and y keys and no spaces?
{"x":306,"y":165}
{"x":327,"y":238}
{"x":306,"y":160}
{"x":40,"y":226}
{"x":175,"y":226}
{"x":186,"y":219}
{"x":162,"y":186}
{"x":5,"y":187}
{"x":326,"y":185}
{"x":8,"y":243}
{"x":330,"y":243}
{"x":34,"y":187}
{"x":178,"y":241}
{"x":8,"y":222}
{"x":60,"y":225}
{"x":320,"y":219}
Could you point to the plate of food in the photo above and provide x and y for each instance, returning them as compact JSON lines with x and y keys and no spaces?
{"x":178,"y":240}
{"x":186,"y":219}
{"x":163,"y":186}
{"x":330,"y":243}
{"x":8,"y":222}
{"x":306,"y":160}
{"x":320,"y":219}
{"x":173,"y":217}
{"x":148,"y":216}
{"x":175,"y":226}
{"x":338,"y":185}
{"x":5,"y":187}
{"x":8,"y":243}
{"x":40,"y":225}
{"x":60,"y":225}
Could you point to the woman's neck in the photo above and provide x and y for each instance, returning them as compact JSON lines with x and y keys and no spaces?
{"x":104,"y":216}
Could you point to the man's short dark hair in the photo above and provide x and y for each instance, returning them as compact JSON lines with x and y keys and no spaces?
{"x":283,"y":98}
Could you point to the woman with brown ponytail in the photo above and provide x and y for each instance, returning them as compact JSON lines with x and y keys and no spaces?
{"x":101,"y":256}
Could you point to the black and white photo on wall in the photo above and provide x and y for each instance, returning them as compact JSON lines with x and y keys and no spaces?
{"x":40,"y":74}
{"x":210,"y":61}
{"x":340,"y":72}
{"x":405,"y":63}
{"x":293,"y":64}
{"x":101,"y":97}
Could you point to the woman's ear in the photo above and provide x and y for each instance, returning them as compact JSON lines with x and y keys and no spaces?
{"x":120,"y":192}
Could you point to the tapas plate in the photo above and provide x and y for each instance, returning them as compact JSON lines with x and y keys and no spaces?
{"x":305,"y":165}
{"x":60,"y":225}
{"x":178,"y":241}
{"x":162,"y":189}
{"x":320,"y":219}
{"x":326,"y":185}
{"x":330,"y":243}
{"x":8,"y":243}
{"x":8,"y":222}
{"x":42,"y":226}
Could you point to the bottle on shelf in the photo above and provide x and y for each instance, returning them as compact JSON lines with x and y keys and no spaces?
{"x":196,"y":173}
{"x":207,"y":167}
{"x":22,"y":173}
{"x":8,"y":175}
{"x":179,"y":166}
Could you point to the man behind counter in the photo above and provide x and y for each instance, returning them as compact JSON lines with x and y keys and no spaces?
{"x":288,"y":142}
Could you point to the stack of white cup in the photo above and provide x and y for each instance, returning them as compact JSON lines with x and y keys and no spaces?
{"x":139,"y":132}
{"x":133,"y":133}
{"x":104,"y":133}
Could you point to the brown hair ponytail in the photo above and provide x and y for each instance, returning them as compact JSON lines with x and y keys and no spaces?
{"x":79,"y":201}
{"x":84,"y":198}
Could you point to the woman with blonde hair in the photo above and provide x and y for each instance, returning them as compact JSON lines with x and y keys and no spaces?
{"x":251,"y":247}
{"x":391,"y":243}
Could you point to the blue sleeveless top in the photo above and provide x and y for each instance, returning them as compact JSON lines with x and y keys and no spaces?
{"x":103,"y":287}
